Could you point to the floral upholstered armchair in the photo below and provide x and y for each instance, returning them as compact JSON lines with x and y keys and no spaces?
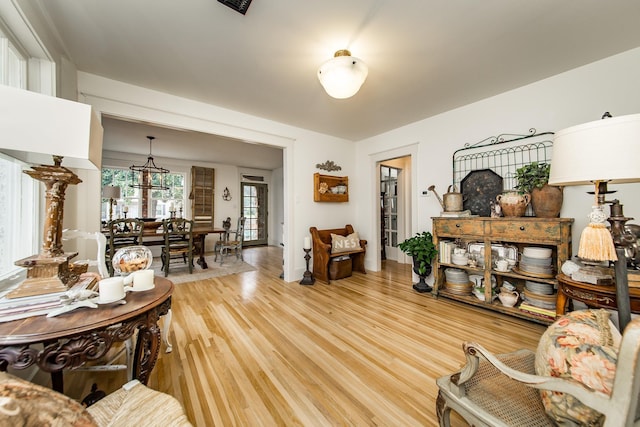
{"x":582,"y":374}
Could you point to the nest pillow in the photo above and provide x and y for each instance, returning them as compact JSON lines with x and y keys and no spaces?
{"x":344,"y":243}
{"x":582,"y":346}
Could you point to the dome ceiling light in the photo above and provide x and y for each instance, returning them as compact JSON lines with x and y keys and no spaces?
{"x":342,"y":75}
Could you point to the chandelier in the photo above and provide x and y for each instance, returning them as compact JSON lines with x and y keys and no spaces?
{"x":148,"y":176}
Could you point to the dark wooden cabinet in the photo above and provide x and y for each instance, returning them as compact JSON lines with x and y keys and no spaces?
{"x":202,"y":194}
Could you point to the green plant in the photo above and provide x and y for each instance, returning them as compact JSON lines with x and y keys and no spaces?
{"x":533,"y":175}
{"x":420,"y":247}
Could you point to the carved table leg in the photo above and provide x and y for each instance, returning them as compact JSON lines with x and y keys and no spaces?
{"x":561,"y":303}
{"x":148,"y":343}
{"x":200,"y":245}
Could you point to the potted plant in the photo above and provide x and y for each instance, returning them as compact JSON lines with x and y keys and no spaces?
{"x":423,"y":251}
{"x":546,"y":200}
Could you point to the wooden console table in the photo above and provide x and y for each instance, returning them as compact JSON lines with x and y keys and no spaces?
{"x":86,"y":334}
{"x":600,"y":296}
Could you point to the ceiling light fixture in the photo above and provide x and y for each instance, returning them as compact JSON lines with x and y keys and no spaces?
{"x":342,"y":75}
{"x":148,"y":176}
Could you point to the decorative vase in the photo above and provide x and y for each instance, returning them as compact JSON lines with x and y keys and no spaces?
{"x":512,"y":203}
{"x":422,"y":285}
{"x":547,"y":201}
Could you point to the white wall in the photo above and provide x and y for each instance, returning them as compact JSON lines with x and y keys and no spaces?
{"x":571,"y":98}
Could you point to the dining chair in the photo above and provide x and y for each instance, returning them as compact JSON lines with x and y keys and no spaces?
{"x":122,"y":233}
{"x":224,"y":237}
{"x":101,"y":245}
{"x":178,"y":242}
{"x":232,"y":245}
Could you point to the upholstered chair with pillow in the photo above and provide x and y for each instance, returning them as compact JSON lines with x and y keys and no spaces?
{"x":582,"y":374}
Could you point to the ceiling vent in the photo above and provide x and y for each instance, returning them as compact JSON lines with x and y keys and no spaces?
{"x":237,"y":5}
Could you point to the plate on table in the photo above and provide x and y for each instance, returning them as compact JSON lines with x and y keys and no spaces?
{"x":138,"y":289}
{"x":479,"y":188}
{"x":99,"y":301}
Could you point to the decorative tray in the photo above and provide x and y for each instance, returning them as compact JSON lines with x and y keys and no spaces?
{"x":479,"y":188}
{"x":498,"y":251}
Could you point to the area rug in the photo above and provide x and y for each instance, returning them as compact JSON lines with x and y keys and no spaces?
{"x":179,"y":272}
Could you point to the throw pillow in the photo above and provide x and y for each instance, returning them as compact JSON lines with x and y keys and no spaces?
{"x":582,"y":346}
{"x":344,"y":244}
{"x":26,"y":404}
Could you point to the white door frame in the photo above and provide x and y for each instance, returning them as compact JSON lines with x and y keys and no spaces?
{"x":410,"y":150}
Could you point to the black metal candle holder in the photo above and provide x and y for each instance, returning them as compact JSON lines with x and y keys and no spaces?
{"x":307,"y":277}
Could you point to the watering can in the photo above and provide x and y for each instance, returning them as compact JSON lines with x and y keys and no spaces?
{"x":451,"y":201}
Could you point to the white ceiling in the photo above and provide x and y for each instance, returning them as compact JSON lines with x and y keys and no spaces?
{"x":425,"y":57}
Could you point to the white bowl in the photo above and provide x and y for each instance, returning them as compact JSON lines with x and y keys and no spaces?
{"x":459,"y":259}
{"x":536,"y":252}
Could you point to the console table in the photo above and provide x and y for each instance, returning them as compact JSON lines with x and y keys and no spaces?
{"x":600,"y":296}
{"x":87,"y":334}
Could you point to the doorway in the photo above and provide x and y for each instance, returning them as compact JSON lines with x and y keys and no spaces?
{"x":395,"y":206}
{"x":254,"y":209}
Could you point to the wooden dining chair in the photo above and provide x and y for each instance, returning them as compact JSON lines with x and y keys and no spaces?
{"x":232,"y":244}
{"x":122,"y":233}
{"x":178,"y":242}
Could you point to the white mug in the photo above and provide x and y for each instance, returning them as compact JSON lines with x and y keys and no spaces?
{"x":111,"y":289}
{"x":502,"y":265}
{"x":140,"y":280}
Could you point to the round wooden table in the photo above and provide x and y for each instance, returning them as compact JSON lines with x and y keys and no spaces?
{"x":600,"y":296}
{"x":86,"y":334}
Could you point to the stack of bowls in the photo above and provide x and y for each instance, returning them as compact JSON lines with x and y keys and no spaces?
{"x":460,"y":259}
{"x":457,"y":281}
{"x":536,"y":261}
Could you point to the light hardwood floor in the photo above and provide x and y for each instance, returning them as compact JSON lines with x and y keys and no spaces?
{"x":252,"y":350}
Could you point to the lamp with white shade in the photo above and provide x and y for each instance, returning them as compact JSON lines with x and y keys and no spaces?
{"x":343,"y":75}
{"x":34,"y":129}
{"x":600,"y":153}
{"x":111,"y":192}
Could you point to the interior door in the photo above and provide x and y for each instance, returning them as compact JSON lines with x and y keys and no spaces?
{"x":390,"y":211}
{"x":254,"y":209}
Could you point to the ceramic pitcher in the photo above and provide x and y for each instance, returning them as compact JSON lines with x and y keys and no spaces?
{"x":509,"y":299}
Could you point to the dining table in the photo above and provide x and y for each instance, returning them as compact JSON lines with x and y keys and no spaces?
{"x":154,"y":236}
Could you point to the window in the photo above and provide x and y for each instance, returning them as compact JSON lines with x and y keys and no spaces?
{"x":133,"y":200}
{"x":19,"y":226}
{"x":13,"y":65}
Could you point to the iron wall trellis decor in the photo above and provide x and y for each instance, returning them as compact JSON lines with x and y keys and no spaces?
{"x":499,"y":157}
{"x":503,"y":154}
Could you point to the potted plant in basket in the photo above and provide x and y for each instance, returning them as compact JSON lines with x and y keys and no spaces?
{"x":546,"y":200}
{"x":423,"y":251}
